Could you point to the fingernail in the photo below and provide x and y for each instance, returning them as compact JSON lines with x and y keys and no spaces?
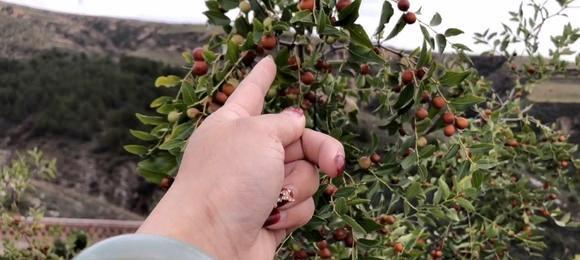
{"x":286,"y":196}
{"x":340,"y":164}
{"x":295,"y":110}
{"x":273,"y":218}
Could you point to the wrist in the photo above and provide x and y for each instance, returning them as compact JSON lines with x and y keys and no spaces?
{"x":199,"y":225}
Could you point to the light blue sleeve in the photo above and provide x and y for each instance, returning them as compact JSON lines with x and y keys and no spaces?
{"x":141,"y":246}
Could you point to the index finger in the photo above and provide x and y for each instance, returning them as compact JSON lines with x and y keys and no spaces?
{"x":248,"y":99}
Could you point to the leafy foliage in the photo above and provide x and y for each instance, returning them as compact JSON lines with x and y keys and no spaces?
{"x":77,"y":96}
{"x":458,"y":187}
{"x":15,"y":179}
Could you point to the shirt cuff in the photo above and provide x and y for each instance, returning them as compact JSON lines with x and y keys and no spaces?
{"x":141,"y":246}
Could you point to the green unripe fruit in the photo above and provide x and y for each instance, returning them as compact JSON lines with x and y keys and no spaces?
{"x":245,"y":6}
{"x":272,"y":92}
{"x":193,"y":112}
{"x":330,"y":40}
{"x":422,"y":141}
{"x":237,"y":39}
{"x":173,"y":116}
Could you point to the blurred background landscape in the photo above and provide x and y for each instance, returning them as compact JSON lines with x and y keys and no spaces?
{"x":70,"y":85}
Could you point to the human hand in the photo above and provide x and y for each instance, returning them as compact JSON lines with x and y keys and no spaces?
{"x":233,"y":170}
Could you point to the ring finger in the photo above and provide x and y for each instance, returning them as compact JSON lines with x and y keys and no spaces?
{"x":300,"y":183}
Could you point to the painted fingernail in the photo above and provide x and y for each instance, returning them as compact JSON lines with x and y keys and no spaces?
{"x":296,"y":110}
{"x":340,"y":164}
{"x":286,"y":196}
{"x":273,"y":218}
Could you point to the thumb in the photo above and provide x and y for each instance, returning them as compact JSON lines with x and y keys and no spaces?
{"x":286,"y":126}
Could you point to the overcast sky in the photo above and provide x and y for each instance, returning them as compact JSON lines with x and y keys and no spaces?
{"x":469,"y":15}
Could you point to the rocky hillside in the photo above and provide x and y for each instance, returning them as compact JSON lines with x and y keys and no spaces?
{"x":25,"y":31}
{"x":70,"y":86}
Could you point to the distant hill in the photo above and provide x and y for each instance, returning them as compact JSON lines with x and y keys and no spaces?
{"x":25,"y":31}
{"x":71,"y":84}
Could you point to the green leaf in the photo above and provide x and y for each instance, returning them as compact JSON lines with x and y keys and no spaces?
{"x":280,"y":26}
{"x":466,"y":101}
{"x":369,"y":225}
{"x":436,"y":20}
{"x":477,"y":179}
{"x":242,"y":26}
{"x":359,"y":36}
{"x":257,"y":30}
{"x":398,"y":28}
{"x":452,"y":152}
{"x":386,"y":14}
{"x":164,"y":164}
{"x":353,"y":202}
{"x":323,"y":20}
{"x":172,"y":144}
{"x":217,"y":18}
{"x":452,"y":215}
{"x":349,"y":14}
{"x":188,"y":94}
{"x":453,"y":32}
{"x":437,"y":213}
{"x":165,"y":109}
{"x":212,"y":5}
{"x":281,"y":58}
{"x":413,"y":191}
{"x":441,"y":42}
{"x":564,"y":220}
{"x":259,"y":11}
{"x":465,"y":204}
{"x":410,"y":161}
{"x":233,"y":52}
{"x":150,"y":120}
{"x":141,"y":135}
{"x":405,"y":97}
{"x":183,"y":131}
{"x":437,"y":197}
{"x":463,"y":184}
{"x":481,"y":148}
{"x":425,"y":56}
{"x":363,"y":54}
{"x":460,"y":46}
{"x":369,"y":243}
{"x":406,"y":239}
{"x":167,"y":81}
{"x":427,"y":151}
{"x":491,"y":230}
{"x":136,"y":149}
{"x":352,"y":223}
{"x":345,"y":192}
{"x":425,"y":33}
{"x":187,"y":57}
{"x":443,"y":188}
{"x":302,"y":17}
{"x":340,"y":206}
{"x":486,"y":164}
{"x":160,"y":101}
{"x":451,"y":78}
{"x":229,"y":4}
